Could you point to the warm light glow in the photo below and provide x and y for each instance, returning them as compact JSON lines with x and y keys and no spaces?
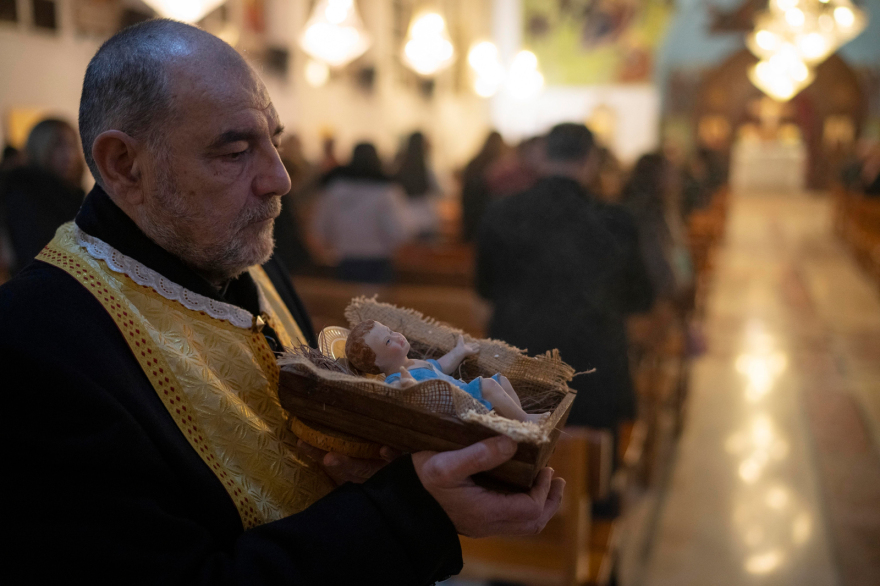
{"x":814,"y":46}
{"x":184,"y":10}
{"x":802,"y":528}
{"x":487,"y":68}
{"x":336,"y":12}
{"x":334,"y":33}
{"x":428,"y":49}
{"x":317,"y":73}
{"x":777,"y":498}
{"x":844,"y":16}
{"x":524,"y":80}
{"x":764,"y":563}
{"x":761,"y":370}
{"x":786,"y":4}
{"x":826,"y":23}
{"x":767,"y":40}
{"x":783,"y":75}
{"x":795,"y":17}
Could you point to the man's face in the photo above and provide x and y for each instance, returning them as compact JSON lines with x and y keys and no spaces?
{"x":213,"y":189}
{"x":391,"y":347}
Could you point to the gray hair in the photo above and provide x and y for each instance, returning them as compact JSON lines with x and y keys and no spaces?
{"x":127,"y":84}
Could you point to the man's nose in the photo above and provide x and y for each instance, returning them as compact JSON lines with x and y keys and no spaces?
{"x":273,"y":178}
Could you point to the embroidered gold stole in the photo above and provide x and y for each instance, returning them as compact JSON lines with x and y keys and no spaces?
{"x":217,"y":377}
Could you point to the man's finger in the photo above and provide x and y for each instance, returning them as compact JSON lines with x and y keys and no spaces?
{"x":554,"y":499}
{"x":454,"y":467}
{"x":352,"y":469}
{"x":388,"y":454}
{"x":541,"y":487}
{"x":316,"y":454}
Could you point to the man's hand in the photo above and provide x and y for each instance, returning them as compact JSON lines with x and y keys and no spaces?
{"x":342,"y":468}
{"x":476,"y":511}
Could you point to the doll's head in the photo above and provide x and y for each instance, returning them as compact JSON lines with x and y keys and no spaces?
{"x":373,"y":348}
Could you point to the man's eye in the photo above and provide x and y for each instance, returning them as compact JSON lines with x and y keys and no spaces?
{"x":388,"y":341}
{"x":236,"y":155}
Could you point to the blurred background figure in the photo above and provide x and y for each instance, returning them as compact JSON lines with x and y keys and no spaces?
{"x":420,"y":185}
{"x":328,"y":154}
{"x":563,"y":270}
{"x":11,"y":159}
{"x":649,"y":196}
{"x":608,"y":182}
{"x":870,"y":172}
{"x":43,"y":193}
{"x":517,"y":170}
{"x":702,"y":175}
{"x":360,"y":219}
{"x":475,"y":187}
{"x":290,"y":244}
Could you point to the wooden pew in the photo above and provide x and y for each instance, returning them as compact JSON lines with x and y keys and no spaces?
{"x":560,"y":554}
{"x":857,"y":220}
{"x":326,"y":300}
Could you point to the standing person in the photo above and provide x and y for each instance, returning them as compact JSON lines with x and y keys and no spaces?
{"x":360,"y":219}
{"x":420,"y":185}
{"x":645,"y":197}
{"x":45,"y":192}
{"x":562,"y":270}
{"x":147,"y":437}
{"x":475,"y":187}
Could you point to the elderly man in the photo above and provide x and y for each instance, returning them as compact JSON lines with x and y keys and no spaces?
{"x":145,"y":442}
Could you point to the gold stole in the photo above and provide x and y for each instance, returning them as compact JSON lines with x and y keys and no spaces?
{"x":218,"y":380}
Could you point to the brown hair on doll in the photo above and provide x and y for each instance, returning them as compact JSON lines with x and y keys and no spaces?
{"x":358,"y":353}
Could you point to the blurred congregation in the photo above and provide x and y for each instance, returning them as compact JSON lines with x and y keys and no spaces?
{"x":596,"y":177}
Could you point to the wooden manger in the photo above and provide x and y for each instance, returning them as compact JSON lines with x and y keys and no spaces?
{"x":432,"y":415}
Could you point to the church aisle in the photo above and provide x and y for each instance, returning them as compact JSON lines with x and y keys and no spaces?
{"x":777,"y":477}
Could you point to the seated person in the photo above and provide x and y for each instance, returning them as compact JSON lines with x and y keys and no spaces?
{"x":373,"y":348}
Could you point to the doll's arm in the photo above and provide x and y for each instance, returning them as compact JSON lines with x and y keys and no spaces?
{"x":450,"y":361}
{"x":405,"y":380}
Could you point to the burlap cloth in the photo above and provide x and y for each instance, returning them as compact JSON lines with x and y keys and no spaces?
{"x":539,"y":381}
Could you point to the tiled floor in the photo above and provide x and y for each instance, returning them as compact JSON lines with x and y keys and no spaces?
{"x":777,"y":476}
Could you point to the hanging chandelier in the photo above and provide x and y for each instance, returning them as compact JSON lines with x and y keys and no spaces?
{"x":487,"y":69}
{"x":334,"y":33}
{"x":522,"y":80}
{"x":184,"y":10}
{"x":793,"y":36}
{"x":428,"y":49}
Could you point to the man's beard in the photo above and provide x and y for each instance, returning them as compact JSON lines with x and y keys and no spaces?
{"x":171,"y":224}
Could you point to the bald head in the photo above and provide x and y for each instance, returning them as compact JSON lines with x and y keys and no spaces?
{"x":131,"y":82}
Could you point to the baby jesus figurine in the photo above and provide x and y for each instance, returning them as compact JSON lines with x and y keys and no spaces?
{"x":373,"y":348}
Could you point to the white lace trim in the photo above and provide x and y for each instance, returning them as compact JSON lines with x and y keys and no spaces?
{"x":147,"y":277}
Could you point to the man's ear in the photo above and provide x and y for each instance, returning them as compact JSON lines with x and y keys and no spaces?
{"x":117,"y":157}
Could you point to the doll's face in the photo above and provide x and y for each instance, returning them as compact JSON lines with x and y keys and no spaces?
{"x":390,"y":347}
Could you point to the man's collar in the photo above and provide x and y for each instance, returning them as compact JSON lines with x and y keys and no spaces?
{"x":563,"y":182}
{"x":103,"y":219}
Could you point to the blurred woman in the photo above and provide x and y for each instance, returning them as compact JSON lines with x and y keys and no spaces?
{"x":45,"y":192}
{"x":608,"y":180}
{"x":649,"y":196}
{"x":420,"y":186}
{"x":359,"y":220}
{"x":475,"y":187}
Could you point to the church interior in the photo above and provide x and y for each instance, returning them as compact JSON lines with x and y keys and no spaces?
{"x":753,"y":452}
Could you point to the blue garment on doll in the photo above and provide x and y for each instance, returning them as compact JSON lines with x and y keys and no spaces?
{"x":436,"y":372}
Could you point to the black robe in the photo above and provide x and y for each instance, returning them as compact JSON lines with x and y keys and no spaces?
{"x":102,"y":485}
{"x":562,"y":271}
